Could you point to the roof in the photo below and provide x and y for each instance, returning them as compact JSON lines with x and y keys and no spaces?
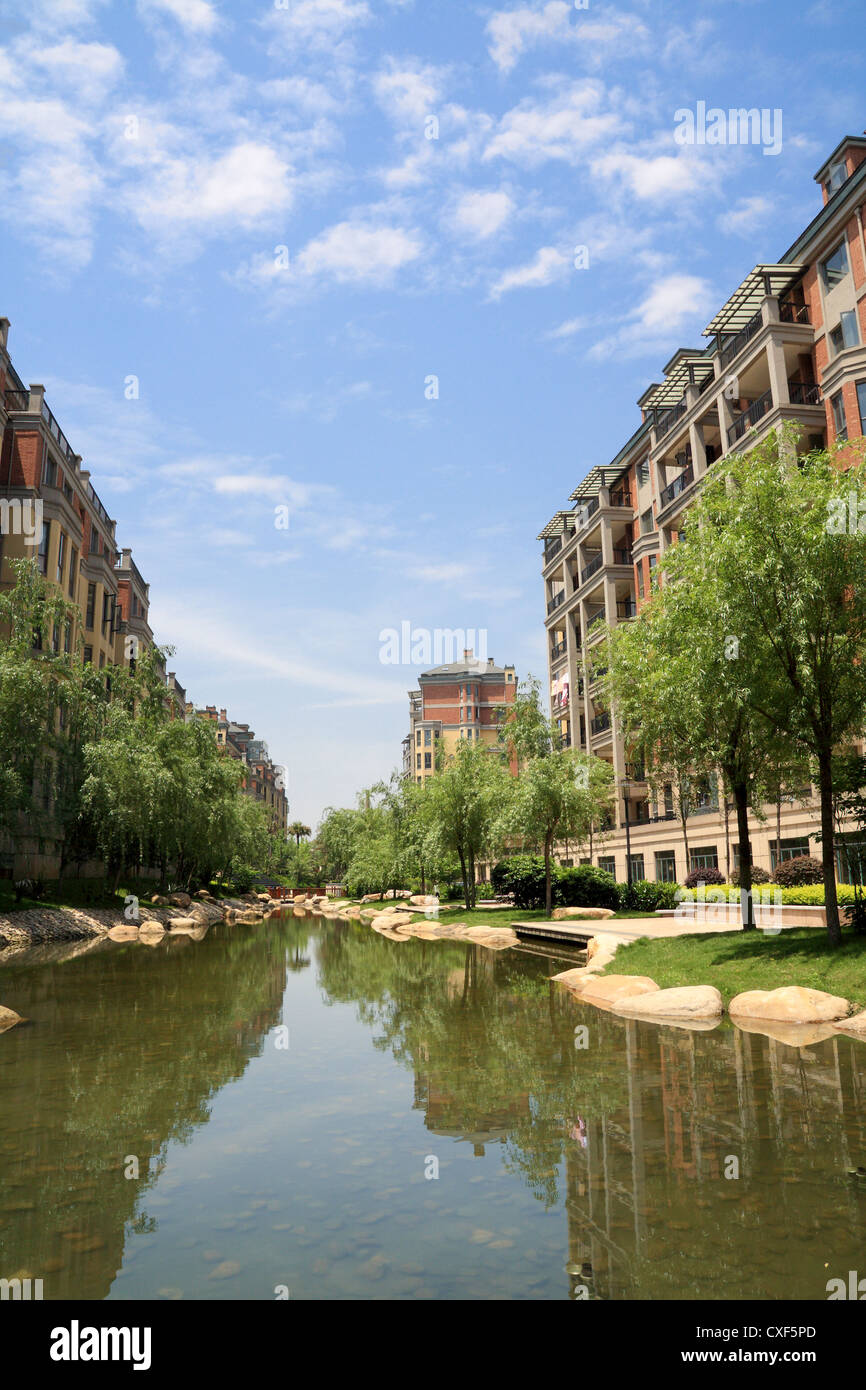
{"x":682,"y":370}
{"x":746,"y":299}
{"x":597,"y":477}
{"x":555,"y":526}
{"x":845,"y":143}
{"x":475,"y":667}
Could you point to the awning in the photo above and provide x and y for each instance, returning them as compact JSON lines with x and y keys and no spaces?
{"x":687,"y":366}
{"x":745,"y":302}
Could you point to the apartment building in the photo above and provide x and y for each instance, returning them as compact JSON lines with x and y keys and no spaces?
{"x":456,"y":701}
{"x":263,"y":780}
{"x":789,"y":344}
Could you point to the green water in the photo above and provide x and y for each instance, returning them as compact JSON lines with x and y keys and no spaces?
{"x":563,"y":1170}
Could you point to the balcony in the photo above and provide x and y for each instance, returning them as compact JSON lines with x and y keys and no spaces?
{"x":804,"y":393}
{"x":558,"y":650}
{"x":17,"y":400}
{"x":621,"y":499}
{"x":592,"y":568}
{"x":588,"y":509}
{"x":595,"y":618}
{"x":599,"y":724}
{"x":622,"y":556}
{"x":552,"y":549}
{"x":794,"y":313}
{"x":635,"y":772}
{"x":667,"y":421}
{"x":736,"y":344}
{"x":750,"y":417}
{"x":626,"y":608}
{"x":556,"y":601}
{"x":679,"y":484}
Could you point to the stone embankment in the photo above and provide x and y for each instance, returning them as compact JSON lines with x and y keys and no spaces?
{"x":177,"y":912}
{"x":400,"y":921}
{"x":791,"y":1014}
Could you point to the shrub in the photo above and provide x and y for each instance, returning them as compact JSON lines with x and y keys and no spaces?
{"x":759,"y":875}
{"x":709,"y":876}
{"x":804,"y":869}
{"x":645,"y":896}
{"x":242,"y":878}
{"x":586,"y":886}
{"x":522,"y":875}
{"x":855,"y":914}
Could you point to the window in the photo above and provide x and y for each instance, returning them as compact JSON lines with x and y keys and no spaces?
{"x":636,"y":870}
{"x":640,"y":581}
{"x":608,"y":864}
{"x":791,"y":849}
{"x":94,"y":541}
{"x":418,"y":760}
{"x":666,"y":866}
{"x":43,"y":547}
{"x":837,"y":406}
{"x":647,"y":522}
{"x":706,"y":857}
{"x":845,"y":334}
{"x":428,"y":760}
{"x":836,"y":176}
{"x":835,"y":268}
{"x":101,"y":660}
{"x":643,"y":473}
{"x":61,"y":556}
{"x":73,"y":570}
{"x":91,"y":607}
{"x":49,"y":471}
{"x":428,"y":737}
{"x":67,"y":639}
{"x":850,"y":859}
{"x":88,"y":656}
{"x":55,"y":638}
{"x":861,"y":404}
{"x":418,"y":738}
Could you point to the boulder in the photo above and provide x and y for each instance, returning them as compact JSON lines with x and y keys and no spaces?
{"x":790,"y":1004}
{"x":179,"y":899}
{"x":159,"y":900}
{"x":204,"y":893}
{"x":372,"y":898}
{"x":182,"y":923}
{"x":685,"y":1001}
{"x":424,"y":900}
{"x":151,"y":928}
{"x":791,"y":1034}
{"x":855,"y":1024}
{"x":612,"y":988}
{"x":599,"y":914}
{"x":126,"y":933}
{"x":393,"y":919}
{"x":8,"y":1019}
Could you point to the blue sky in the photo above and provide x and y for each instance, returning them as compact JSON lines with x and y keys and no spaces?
{"x":156,"y":155}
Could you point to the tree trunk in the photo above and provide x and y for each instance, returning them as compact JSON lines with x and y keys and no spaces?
{"x":828,"y":847}
{"x":683,"y":821}
{"x":548,"y":887}
{"x":465,"y":879}
{"x":747,"y":906}
{"x":779,"y":825}
{"x":727,"y":840}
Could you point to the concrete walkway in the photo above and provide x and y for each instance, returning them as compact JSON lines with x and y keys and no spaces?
{"x":624,"y":928}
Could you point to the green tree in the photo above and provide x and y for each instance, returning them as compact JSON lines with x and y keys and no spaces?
{"x":465,"y":801}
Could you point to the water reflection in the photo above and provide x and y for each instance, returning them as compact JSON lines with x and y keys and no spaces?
{"x":653,"y":1162}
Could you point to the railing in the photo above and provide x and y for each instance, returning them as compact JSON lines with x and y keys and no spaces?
{"x":556,"y":601}
{"x":621,"y":499}
{"x":17,"y":400}
{"x":667,"y":421}
{"x":129,"y":567}
{"x":552,"y":549}
{"x":626,"y":608}
{"x":679,"y":484}
{"x":57,"y":434}
{"x":739,"y":340}
{"x":594,"y":619}
{"x":558,"y":650}
{"x":804,"y":393}
{"x":588,"y":509}
{"x":635,"y":772}
{"x":590,"y":569}
{"x":621,"y":556}
{"x":600,"y":723}
{"x":750,"y":417}
{"x":794,"y":313}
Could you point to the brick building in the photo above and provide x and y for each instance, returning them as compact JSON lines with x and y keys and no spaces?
{"x":263,"y":780}
{"x":788,"y":345}
{"x":456,"y":701}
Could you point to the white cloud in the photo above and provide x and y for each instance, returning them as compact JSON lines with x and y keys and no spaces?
{"x":674,"y":303}
{"x":481,"y":214}
{"x":195,"y":15}
{"x":409,"y":93}
{"x":745,"y":216}
{"x":87,"y":71}
{"x":653,"y":176}
{"x":317,"y":22}
{"x":566,"y":330}
{"x":358,"y":252}
{"x":257,"y":486}
{"x":547,"y":265}
{"x":512,"y":33}
{"x":570,"y":126}
{"x":237,"y":188}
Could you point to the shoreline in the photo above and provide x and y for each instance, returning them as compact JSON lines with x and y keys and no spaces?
{"x":41,"y":926}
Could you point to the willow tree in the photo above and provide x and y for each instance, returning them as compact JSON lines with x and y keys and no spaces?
{"x":464,"y":801}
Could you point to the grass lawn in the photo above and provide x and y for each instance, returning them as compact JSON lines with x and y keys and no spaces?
{"x":737,"y":961}
{"x":504,"y":916}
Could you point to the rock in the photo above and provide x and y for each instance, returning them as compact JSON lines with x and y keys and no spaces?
{"x":8,"y":1019}
{"x":791,"y":1034}
{"x":129,"y":933}
{"x":561,"y":914}
{"x":158,"y":900}
{"x":204,"y":893}
{"x":395,"y":919}
{"x":612,"y":988}
{"x":685,"y":1001}
{"x":181,"y":923}
{"x":151,"y":928}
{"x":179,"y":899}
{"x":423,"y":900}
{"x":791,"y":1004}
{"x":264,"y":898}
{"x":855,"y":1024}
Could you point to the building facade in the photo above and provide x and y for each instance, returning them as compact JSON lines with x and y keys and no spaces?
{"x":459,"y":700}
{"x":788,"y":345}
{"x":263,"y":780}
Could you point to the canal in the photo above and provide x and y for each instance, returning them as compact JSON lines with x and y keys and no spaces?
{"x":302,"y":1108}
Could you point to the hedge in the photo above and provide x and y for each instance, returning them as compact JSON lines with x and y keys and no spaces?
{"x":804,"y":895}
